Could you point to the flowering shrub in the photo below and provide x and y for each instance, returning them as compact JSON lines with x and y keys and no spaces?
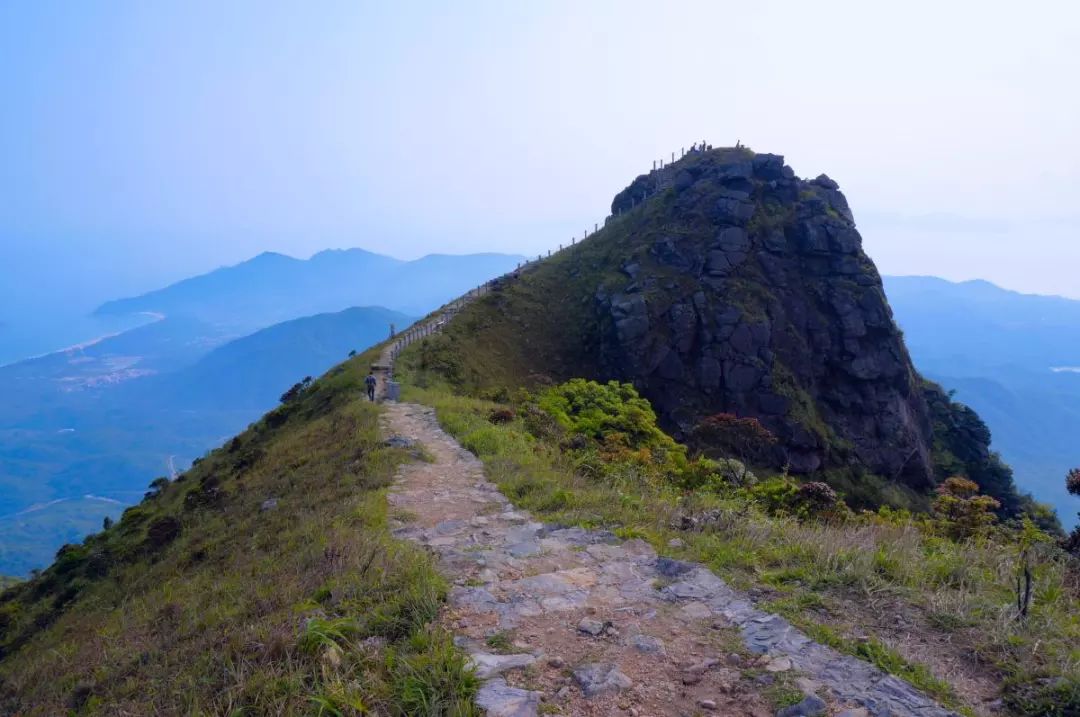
{"x":818,"y":496}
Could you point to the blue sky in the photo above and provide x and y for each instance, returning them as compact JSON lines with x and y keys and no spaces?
{"x":143,"y":142}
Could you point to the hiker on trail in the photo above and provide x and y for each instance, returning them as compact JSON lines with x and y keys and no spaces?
{"x":370,"y":382}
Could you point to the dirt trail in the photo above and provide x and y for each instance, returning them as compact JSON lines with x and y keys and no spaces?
{"x":593,"y":625}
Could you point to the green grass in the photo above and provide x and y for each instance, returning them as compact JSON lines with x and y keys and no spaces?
{"x":963,"y":588}
{"x":308,"y":608}
{"x":782,"y":693}
{"x":501,"y":642}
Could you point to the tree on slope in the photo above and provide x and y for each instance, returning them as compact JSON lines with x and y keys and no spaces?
{"x":1072,"y":484}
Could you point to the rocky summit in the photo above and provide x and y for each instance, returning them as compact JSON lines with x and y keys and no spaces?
{"x":725,"y":283}
{"x":752,"y":295}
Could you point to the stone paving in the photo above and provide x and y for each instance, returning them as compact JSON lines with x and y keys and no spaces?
{"x":594,"y":625}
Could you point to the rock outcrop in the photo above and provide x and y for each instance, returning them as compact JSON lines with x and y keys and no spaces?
{"x":753,"y":296}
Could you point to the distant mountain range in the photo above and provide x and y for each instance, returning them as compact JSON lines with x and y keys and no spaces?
{"x":1009,"y":356}
{"x":273,"y":287}
{"x":84,"y":430}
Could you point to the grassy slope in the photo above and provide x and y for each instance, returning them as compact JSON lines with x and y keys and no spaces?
{"x":534,"y":330}
{"x":304,"y":607}
{"x":834,"y":581}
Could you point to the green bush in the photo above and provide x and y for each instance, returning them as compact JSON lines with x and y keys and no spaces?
{"x":715,"y":476}
{"x":600,"y":411}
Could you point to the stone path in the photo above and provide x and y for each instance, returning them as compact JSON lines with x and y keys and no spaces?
{"x":593,"y":625}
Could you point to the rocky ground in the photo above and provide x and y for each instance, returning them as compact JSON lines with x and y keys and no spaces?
{"x":561,"y":620}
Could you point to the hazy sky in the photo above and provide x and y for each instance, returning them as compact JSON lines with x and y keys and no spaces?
{"x":144,"y":141}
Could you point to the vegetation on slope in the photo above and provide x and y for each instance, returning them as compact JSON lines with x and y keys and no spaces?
{"x":262,"y":581}
{"x":950,"y":575}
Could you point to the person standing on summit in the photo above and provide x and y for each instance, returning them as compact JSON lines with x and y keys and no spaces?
{"x":370,"y":382}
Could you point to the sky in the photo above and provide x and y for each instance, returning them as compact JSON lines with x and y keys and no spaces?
{"x":144,"y":142}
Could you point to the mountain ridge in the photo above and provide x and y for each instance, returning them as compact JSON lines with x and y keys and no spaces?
{"x":281,"y":550}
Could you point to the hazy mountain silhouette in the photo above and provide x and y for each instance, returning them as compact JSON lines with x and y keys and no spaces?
{"x":998,"y":350}
{"x":270,"y":288}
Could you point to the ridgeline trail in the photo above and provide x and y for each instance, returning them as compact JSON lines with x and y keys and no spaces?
{"x":571,"y":621}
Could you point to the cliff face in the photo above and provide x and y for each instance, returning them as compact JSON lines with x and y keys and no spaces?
{"x":724,"y":283}
{"x":784,"y":316}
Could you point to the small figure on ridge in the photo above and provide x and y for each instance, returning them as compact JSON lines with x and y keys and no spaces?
{"x":370,"y":382}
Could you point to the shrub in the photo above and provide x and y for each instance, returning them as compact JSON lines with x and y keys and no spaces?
{"x":162,"y":531}
{"x":1072,"y":481}
{"x":722,"y":476}
{"x":961,"y":511}
{"x":501,"y":415}
{"x":700,"y":474}
{"x":541,"y":424}
{"x":599,"y":411}
{"x":296,"y":390}
{"x":1072,"y":484}
{"x":776,"y":495}
{"x":817,"y":499}
{"x":157,"y":486}
{"x":725,"y":435}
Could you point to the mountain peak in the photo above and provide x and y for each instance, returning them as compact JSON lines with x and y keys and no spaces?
{"x":724,"y":283}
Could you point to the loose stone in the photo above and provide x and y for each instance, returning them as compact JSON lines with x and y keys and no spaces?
{"x":702,"y":667}
{"x":647,"y":644}
{"x":591,"y":627}
{"x":779,"y":664}
{"x":597,"y":679}
{"x":812,"y":706}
